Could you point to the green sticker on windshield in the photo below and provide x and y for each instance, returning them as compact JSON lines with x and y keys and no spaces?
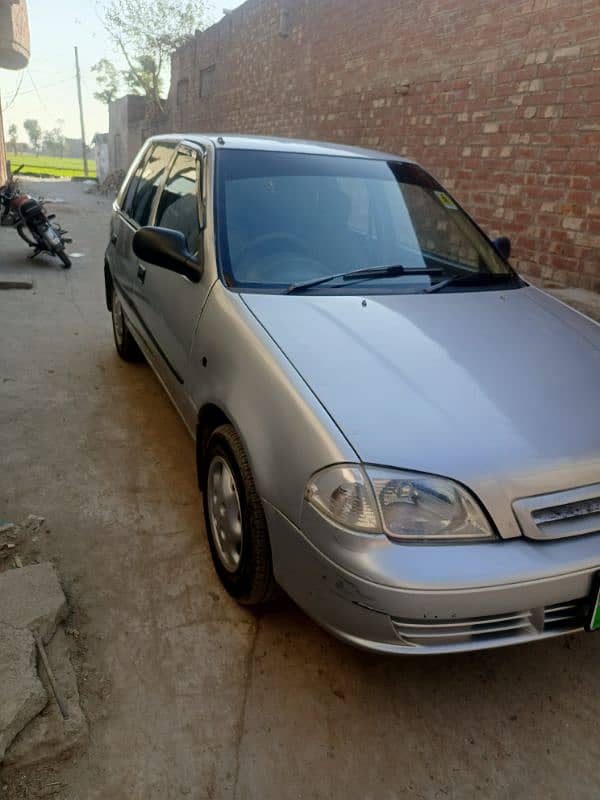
{"x":446,"y":201}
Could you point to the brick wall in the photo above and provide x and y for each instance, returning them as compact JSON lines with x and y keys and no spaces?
{"x":500,"y":99}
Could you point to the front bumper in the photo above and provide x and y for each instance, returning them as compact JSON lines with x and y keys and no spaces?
{"x":391,"y":598}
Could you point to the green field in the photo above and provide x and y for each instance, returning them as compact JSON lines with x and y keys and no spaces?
{"x":50,"y":165}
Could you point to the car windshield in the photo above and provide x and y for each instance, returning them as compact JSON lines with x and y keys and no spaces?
{"x":286,"y":219}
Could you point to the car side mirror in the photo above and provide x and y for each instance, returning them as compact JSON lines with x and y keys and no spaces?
{"x":502,"y":246}
{"x":168,"y":249}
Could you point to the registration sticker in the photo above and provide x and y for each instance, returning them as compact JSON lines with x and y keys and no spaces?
{"x":446,"y":201}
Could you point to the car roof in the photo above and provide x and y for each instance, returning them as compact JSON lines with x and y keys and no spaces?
{"x":236,"y":141}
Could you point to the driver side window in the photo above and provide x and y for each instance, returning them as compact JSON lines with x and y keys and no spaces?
{"x":178,"y":205}
{"x":145,"y":186}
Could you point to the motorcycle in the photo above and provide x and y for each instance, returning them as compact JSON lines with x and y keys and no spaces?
{"x":33,"y":225}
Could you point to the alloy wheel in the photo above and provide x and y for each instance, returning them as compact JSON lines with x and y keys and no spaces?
{"x":225,"y":513}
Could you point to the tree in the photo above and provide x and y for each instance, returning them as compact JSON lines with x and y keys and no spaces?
{"x":145,"y":73}
{"x":13,"y":132}
{"x":147,"y":32}
{"x":54,"y":142}
{"x":34,"y":131}
{"x":107,"y":79}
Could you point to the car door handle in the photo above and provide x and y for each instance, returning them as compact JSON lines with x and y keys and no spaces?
{"x":114,"y":238}
{"x":141,"y":273}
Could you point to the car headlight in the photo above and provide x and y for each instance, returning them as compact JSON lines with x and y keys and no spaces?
{"x":409,"y":506}
{"x":344,"y":493}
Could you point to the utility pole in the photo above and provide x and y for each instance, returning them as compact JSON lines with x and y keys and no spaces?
{"x":83,"y":144}
{"x":3,"y":170}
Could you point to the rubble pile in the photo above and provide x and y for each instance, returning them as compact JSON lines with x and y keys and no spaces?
{"x":40,"y":714}
{"x":112,"y":183}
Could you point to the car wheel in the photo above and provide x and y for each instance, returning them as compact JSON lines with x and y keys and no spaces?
{"x":235,"y":520}
{"x":126,"y":345}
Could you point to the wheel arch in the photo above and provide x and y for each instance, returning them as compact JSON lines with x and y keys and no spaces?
{"x":210,"y":417}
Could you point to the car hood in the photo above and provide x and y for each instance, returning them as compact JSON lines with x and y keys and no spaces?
{"x":497,"y":389}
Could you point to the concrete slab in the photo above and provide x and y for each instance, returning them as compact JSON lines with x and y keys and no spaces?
{"x":32,"y":598}
{"x":22,"y":695}
{"x":49,"y":735}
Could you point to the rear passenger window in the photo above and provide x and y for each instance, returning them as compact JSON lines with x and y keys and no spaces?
{"x":131,"y":188}
{"x":178,"y":205}
{"x":148,"y":183}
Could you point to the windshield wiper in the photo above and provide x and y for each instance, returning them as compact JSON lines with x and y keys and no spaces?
{"x":474,"y":279}
{"x":365,"y":272}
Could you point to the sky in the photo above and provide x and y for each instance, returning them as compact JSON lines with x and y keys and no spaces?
{"x":47,"y":89}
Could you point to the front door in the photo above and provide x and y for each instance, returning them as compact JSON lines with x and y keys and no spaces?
{"x":175,"y":302}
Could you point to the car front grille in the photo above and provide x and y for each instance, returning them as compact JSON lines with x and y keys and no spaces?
{"x":563,"y":616}
{"x":569,"y":518}
{"x":496,"y":628}
{"x":561,"y":514}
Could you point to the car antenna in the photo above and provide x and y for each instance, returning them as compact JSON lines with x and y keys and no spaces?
{"x":221,"y":140}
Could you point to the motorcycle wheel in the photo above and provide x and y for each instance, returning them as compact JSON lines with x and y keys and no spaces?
{"x":64,"y":258}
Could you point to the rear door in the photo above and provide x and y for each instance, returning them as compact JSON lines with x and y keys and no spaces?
{"x":176,"y":302}
{"x":121,"y":227}
{"x":137,"y":212}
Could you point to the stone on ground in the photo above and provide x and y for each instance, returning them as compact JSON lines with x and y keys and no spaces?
{"x":49,"y":736}
{"x":15,"y":282}
{"x":22,"y":695}
{"x":32,"y":598}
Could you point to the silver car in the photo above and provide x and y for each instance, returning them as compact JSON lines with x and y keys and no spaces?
{"x":390,"y":423}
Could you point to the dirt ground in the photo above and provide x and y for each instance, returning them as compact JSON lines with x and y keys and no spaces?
{"x":187,"y":694}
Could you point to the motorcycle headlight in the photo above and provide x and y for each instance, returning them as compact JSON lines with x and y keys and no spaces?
{"x":408,"y":506}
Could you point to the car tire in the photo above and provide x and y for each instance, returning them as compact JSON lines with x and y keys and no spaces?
{"x":126,"y":345}
{"x":231,"y":501}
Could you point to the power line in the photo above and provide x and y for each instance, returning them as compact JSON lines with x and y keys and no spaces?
{"x":16,"y":94}
{"x":47,"y":86}
{"x":33,"y":83}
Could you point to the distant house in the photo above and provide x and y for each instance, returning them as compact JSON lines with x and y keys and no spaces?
{"x":73,"y":149}
{"x":131,"y":122}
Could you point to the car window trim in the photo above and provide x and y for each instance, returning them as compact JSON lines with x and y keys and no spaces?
{"x":199,"y":152}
